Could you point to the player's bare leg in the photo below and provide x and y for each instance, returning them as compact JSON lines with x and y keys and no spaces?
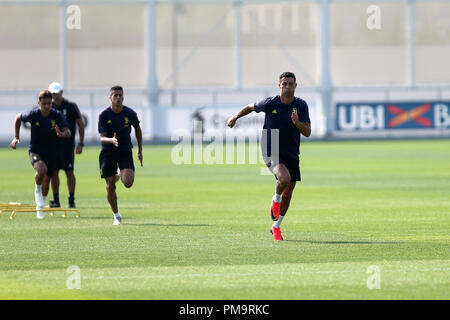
{"x":71,"y":181}
{"x":55,"y":189}
{"x":286,"y":198}
{"x":283,"y":193}
{"x":283,"y":181}
{"x":127,"y":176}
{"x":112,"y":199}
{"x":111,"y":193}
{"x":41,"y":173}
{"x":283,"y":177}
{"x":55,"y":182}
{"x":45,"y":186}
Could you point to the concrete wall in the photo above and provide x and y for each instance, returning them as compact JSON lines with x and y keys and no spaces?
{"x":109,"y":47}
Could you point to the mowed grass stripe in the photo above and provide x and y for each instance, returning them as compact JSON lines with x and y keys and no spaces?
{"x":294,"y":278}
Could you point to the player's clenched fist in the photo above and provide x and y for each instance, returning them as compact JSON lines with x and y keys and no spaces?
{"x":231,"y":122}
{"x":294,"y":117}
{"x":13,"y":143}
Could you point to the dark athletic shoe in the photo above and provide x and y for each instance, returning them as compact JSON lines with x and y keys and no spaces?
{"x":54,"y":204}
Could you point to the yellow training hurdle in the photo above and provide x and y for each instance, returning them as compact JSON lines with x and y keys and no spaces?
{"x":15,"y":207}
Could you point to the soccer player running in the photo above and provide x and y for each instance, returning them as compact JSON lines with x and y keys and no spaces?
{"x":66,"y":147}
{"x":47,"y":125}
{"x":114,"y":126}
{"x":290,"y":116}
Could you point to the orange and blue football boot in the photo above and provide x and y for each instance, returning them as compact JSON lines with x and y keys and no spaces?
{"x":275,"y":210}
{"x":276,"y":233}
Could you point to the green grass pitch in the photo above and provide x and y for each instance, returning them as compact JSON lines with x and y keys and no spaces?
{"x":202,"y":231}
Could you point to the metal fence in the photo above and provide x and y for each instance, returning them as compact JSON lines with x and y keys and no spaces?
{"x":180,"y":53}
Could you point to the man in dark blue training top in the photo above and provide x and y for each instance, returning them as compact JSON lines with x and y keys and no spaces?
{"x":114,"y":126}
{"x":45,"y":130}
{"x":288,"y":116}
{"x":65,"y":156}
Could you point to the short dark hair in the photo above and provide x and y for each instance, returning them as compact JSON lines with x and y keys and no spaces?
{"x":116,"y":88}
{"x":288,"y":75}
{"x":45,"y":94}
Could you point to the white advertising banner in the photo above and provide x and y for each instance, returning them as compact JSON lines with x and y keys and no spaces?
{"x":90,"y":117}
{"x":210,"y":120}
{"x":163,"y":122}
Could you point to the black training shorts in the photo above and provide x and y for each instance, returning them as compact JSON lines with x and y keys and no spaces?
{"x":65,"y":157}
{"x":110,"y":160}
{"x":47,"y":159}
{"x":293,"y":166}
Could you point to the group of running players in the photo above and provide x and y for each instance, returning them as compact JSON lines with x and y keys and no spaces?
{"x":52,"y":144}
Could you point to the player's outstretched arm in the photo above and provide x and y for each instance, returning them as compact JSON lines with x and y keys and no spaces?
{"x":16,"y":140}
{"x":80,"y":145}
{"x":242,"y":113}
{"x":138,"y":133}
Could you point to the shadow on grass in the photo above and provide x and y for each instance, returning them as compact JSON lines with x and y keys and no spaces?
{"x":126,"y":219}
{"x":168,"y":225}
{"x":102,"y":218}
{"x":343,"y":242}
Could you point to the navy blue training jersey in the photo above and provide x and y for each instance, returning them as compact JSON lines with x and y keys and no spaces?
{"x":72,"y":113}
{"x":43,"y":135}
{"x":120,"y":123}
{"x":278,"y":116}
